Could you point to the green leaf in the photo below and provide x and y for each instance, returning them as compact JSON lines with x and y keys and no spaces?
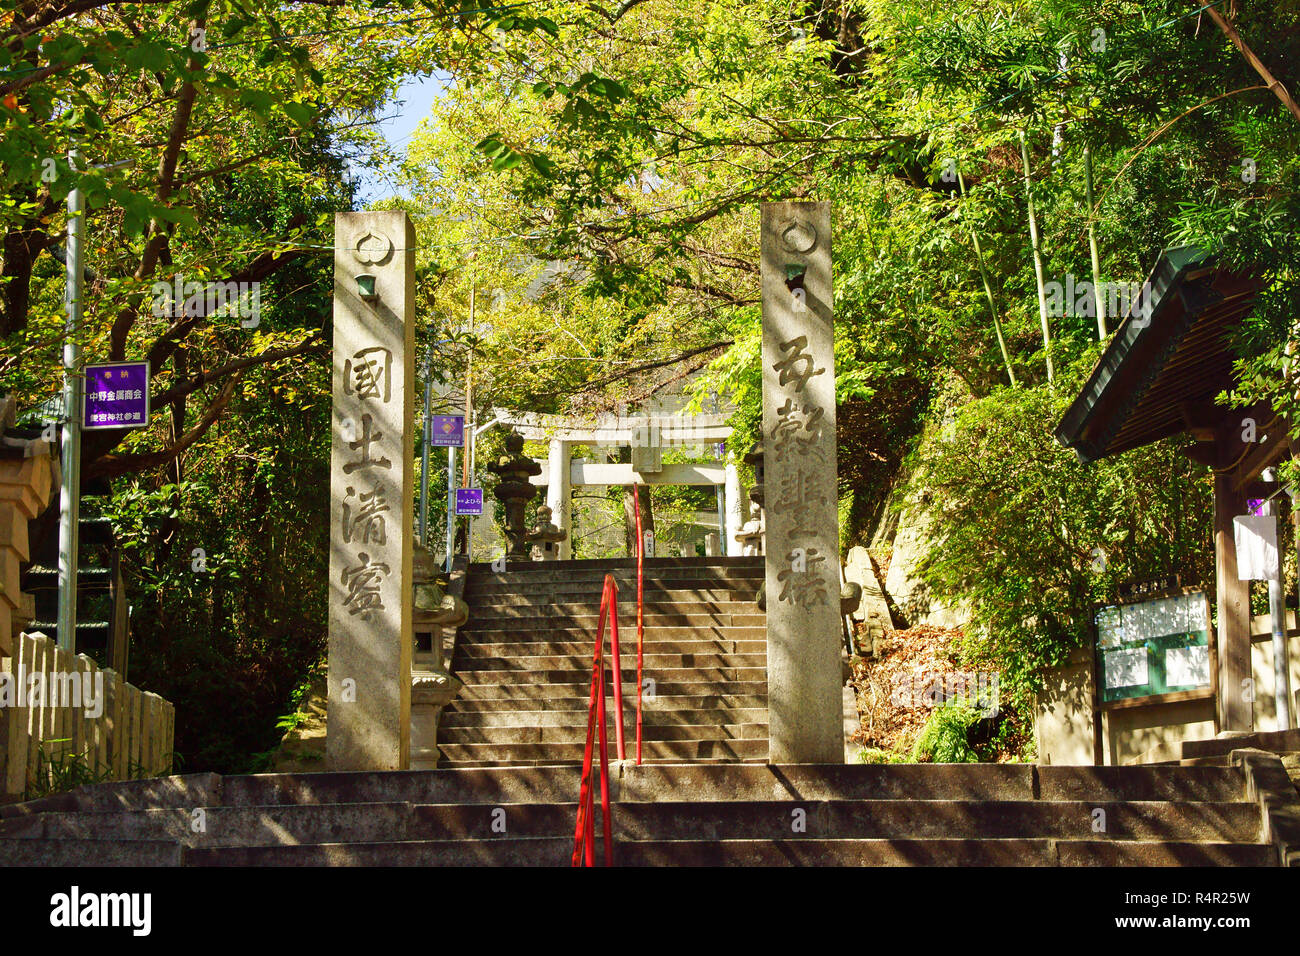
{"x":301,"y":113}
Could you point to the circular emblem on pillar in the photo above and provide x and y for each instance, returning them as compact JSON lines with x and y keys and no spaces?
{"x":372,"y":249}
{"x":798,"y":237}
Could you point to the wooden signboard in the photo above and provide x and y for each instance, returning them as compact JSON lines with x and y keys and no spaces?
{"x":1155,"y":649}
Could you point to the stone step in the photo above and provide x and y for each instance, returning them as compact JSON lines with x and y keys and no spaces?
{"x":667,"y":675}
{"x":69,"y":853}
{"x":181,"y":790}
{"x":858,"y":820}
{"x":585,"y":571}
{"x":1277,"y":741}
{"x":513,"y":717}
{"x":830,"y":782}
{"x":651,"y":592}
{"x":549,"y":784}
{"x":553,"y":851}
{"x":1208,"y":784}
{"x":833,"y":852}
{"x":627,"y":583}
{"x":1222,"y":760}
{"x":452,"y":766}
{"x":592,"y":585}
{"x":1165,"y":853}
{"x":234,"y":826}
{"x":557,"y":851}
{"x":997,"y":782}
{"x":627,"y":644}
{"x":575,"y":734}
{"x":580,"y":690}
{"x":561,"y":632}
{"x":614,"y":564}
{"x":589,"y":618}
{"x":675,"y":749}
{"x":655,"y":662}
{"x":514,"y":610}
{"x":659,"y":705}
{"x":1187,"y":824}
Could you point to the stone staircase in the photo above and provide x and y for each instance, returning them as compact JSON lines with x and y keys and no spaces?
{"x":698,"y":814}
{"x":525,"y":657}
{"x":506,"y":791}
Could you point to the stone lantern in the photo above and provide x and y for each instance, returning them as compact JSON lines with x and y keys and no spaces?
{"x":546,"y":537}
{"x":514,"y":490}
{"x":433,"y":687}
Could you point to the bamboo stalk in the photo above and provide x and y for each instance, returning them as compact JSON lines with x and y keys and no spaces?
{"x":988,"y":288}
{"x":1092,"y":248}
{"x":1272,"y":82}
{"x":1038,"y":264}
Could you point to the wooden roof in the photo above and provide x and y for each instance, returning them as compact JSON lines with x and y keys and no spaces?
{"x":1156,"y":367}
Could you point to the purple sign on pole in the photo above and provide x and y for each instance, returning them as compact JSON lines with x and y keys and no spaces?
{"x":469,"y":501}
{"x":448,"y":431}
{"x":116,"y":396}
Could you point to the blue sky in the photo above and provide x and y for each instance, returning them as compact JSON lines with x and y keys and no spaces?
{"x":400,"y":118}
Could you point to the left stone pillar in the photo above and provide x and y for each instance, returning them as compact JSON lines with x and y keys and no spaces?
{"x":371,"y":491}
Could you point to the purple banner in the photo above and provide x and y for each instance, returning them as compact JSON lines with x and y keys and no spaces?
{"x":116,"y":396}
{"x":469,"y":501}
{"x":448,"y":431}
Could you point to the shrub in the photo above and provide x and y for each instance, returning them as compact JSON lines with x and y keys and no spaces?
{"x":945,"y":738}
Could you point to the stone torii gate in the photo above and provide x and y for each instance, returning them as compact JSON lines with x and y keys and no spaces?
{"x":647,"y":436}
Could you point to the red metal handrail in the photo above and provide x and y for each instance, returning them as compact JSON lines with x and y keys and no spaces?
{"x":640,"y":617}
{"x":584,"y":833}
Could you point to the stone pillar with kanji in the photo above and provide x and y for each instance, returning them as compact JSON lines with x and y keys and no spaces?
{"x":371,"y":491}
{"x":804,"y":672}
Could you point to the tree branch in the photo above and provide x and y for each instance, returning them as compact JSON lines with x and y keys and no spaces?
{"x":312,"y":343}
{"x":648,"y":366}
{"x":110,"y":466}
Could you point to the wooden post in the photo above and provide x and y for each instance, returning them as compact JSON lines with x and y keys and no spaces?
{"x":112,"y":722}
{"x":135,"y":756}
{"x":1236,"y":685}
{"x":46,"y":651}
{"x":13,"y":768}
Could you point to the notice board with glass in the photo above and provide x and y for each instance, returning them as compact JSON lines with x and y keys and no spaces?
{"x":1155,"y":650}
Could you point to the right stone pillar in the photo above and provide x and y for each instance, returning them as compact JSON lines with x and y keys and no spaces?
{"x":803,"y":623}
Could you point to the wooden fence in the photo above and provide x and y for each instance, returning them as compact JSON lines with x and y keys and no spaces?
{"x":65,"y":721}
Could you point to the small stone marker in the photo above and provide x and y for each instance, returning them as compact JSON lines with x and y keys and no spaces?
{"x":371,"y":490}
{"x":803,"y":607}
